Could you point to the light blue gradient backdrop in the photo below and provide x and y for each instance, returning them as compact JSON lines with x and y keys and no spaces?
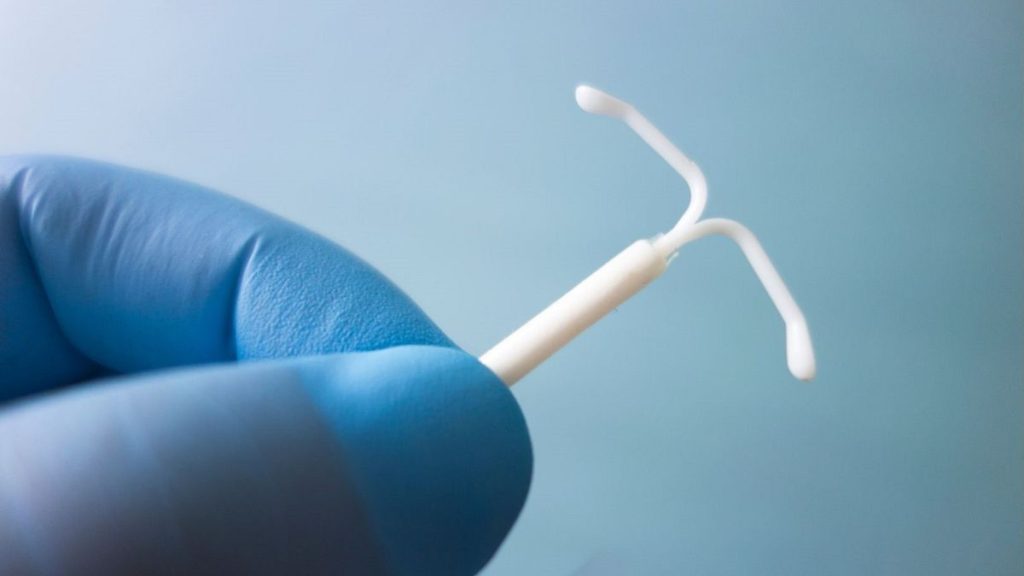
{"x":875,"y":147}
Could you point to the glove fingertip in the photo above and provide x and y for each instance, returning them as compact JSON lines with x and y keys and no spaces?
{"x":443,"y":459}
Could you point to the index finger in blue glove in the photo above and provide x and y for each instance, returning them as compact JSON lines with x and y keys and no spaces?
{"x":106,"y":269}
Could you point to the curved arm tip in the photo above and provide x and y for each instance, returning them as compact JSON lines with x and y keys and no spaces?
{"x":595,"y":101}
{"x":800,"y":351}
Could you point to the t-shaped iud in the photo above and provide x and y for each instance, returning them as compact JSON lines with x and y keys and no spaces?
{"x":640,"y":263}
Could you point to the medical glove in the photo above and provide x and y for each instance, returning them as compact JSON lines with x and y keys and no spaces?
{"x":191,"y":385}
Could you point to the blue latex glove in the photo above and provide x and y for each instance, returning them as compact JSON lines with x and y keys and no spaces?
{"x":361,"y":441}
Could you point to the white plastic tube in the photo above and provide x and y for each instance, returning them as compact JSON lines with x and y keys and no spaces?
{"x":600,"y":293}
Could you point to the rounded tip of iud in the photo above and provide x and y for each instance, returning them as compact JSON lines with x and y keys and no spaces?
{"x":800,"y":352}
{"x":594,"y":101}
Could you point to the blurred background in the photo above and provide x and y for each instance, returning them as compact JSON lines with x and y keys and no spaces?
{"x":876,"y":148}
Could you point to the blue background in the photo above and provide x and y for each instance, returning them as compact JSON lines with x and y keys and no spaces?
{"x":875,"y":147}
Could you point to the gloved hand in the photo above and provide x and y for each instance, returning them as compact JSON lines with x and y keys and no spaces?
{"x":334,"y":428}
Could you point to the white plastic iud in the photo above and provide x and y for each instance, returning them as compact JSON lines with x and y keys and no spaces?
{"x":640,"y":263}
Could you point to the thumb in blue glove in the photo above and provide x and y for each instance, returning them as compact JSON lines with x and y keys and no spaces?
{"x":358,"y":439}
